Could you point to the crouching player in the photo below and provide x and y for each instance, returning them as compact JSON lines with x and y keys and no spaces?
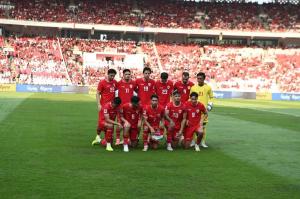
{"x":131,"y":117}
{"x":107,"y":121}
{"x":196,"y":112}
{"x":153,"y":116}
{"x":175,"y":112}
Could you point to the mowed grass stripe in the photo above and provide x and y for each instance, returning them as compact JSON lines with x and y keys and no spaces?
{"x":9,"y":101}
{"x":263,"y":117}
{"x":52,"y":158}
{"x":273,"y":149}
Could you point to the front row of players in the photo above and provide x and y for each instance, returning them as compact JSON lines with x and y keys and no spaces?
{"x":181,"y":122}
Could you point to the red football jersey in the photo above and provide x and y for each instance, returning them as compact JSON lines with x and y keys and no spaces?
{"x":164,"y":91}
{"x":125,"y":90}
{"x":145,"y":89}
{"x":131,"y":114}
{"x":107,"y":91}
{"x":108,"y":109}
{"x":176,"y":113}
{"x":194,"y":112}
{"x":184,"y":90}
{"x":153,"y":116}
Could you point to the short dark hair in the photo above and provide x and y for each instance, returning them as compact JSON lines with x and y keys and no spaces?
{"x":135,"y":99}
{"x":185,"y":74}
{"x":147,"y":69}
{"x":111,"y":71}
{"x":194,"y":94}
{"x":117,"y":101}
{"x":154,"y":96}
{"x":126,"y":70}
{"x":164,"y":75}
{"x":176,"y":92}
{"x":201,"y":74}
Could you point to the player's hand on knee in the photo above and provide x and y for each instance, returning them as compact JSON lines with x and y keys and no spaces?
{"x":127,"y":125}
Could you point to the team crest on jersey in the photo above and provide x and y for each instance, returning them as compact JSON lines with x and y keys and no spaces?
{"x":105,"y":110}
{"x":197,"y":111}
{"x":189,"y":87}
{"x":180,"y":111}
{"x":168,"y":87}
{"x":130,"y":86}
{"x":149,"y":84}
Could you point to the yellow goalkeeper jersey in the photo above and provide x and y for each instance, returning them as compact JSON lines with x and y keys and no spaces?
{"x":204,"y":92}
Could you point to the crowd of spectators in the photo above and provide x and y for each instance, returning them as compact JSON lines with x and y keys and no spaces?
{"x":156,"y":13}
{"x":32,"y":61}
{"x":39,"y":61}
{"x":231,"y":67}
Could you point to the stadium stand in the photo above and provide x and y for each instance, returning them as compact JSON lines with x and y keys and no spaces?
{"x":60,"y":61}
{"x":38,"y":61}
{"x":33,"y":60}
{"x":153,"y":13}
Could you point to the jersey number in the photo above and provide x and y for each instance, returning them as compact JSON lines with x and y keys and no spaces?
{"x":175,"y":115}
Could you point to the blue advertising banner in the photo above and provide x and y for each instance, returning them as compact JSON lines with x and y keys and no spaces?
{"x":38,"y":88}
{"x":223,"y":94}
{"x":286,"y":96}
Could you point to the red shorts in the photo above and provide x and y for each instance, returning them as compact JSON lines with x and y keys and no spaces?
{"x":189,"y":132}
{"x":133,"y":134}
{"x":101,"y":124}
{"x":173,"y":133}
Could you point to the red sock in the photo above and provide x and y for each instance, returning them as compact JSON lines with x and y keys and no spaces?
{"x":103,"y":142}
{"x":169,"y":136}
{"x":108,"y":135}
{"x":145,"y":138}
{"x":125,"y":139}
{"x":118,"y":133}
{"x":199,"y":138}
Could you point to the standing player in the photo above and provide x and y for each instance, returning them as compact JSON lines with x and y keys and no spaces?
{"x":105,"y":93}
{"x":126,"y":87}
{"x":176,"y":112}
{"x":107,"y":121}
{"x":184,"y":86}
{"x":131,"y":117}
{"x":164,"y":89}
{"x":145,"y":87}
{"x":205,"y":96}
{"x":125,"y":90}
{"x":153,"y":116}
{"x":195,"y":112}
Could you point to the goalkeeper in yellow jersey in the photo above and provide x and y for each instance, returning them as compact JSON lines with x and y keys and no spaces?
{"x":205,"y":96}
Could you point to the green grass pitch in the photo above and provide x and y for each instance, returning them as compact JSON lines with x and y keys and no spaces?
{"x":46,"y":152}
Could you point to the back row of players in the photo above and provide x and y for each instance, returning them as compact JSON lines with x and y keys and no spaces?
{"x":132,"y":104}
